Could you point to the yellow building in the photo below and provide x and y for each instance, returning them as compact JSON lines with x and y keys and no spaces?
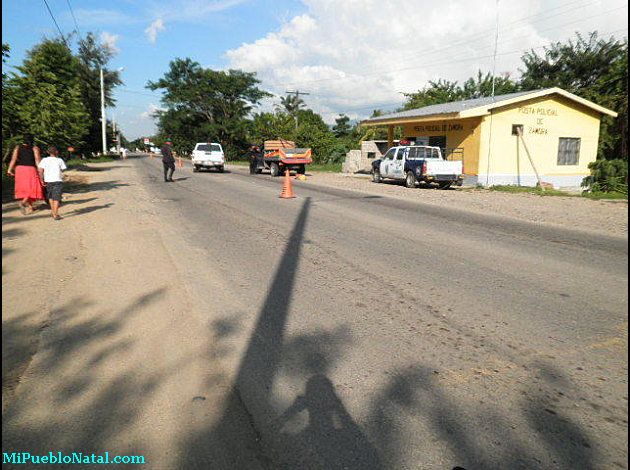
{"x":513,"y":139}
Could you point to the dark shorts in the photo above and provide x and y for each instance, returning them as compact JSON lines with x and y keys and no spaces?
{"x":54,"y":190}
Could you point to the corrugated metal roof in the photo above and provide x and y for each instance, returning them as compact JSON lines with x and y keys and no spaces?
{"x":450,"y":108}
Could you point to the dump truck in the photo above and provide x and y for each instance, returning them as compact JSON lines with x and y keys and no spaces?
{"x":277,"y":156}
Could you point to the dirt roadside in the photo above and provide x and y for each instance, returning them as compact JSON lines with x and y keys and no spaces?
{"x":603,"y":217}
{"x":104,"y":348}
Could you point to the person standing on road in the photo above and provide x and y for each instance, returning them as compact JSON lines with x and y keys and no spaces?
{"x":168,"y":160}
{"x":50,"y":169}
{"x":23,"y":166}
{"x":254,"y":159}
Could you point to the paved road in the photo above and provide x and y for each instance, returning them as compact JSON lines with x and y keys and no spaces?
{"x":206,"y":323}
{"x":374,"y":333}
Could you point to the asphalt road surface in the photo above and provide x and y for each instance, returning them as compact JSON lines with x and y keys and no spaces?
{"x":347,"y":331}
{"x":385,"y":334}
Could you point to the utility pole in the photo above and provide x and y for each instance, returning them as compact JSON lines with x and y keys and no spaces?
{"x":103,"y":120}
{"x":494,"y":69}
{"x":297,"y":94}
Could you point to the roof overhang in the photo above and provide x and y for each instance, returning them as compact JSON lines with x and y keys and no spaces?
{"x":410,"y":120}
{"x":487,"y":109}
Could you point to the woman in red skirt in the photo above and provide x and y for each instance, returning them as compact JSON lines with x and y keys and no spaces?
{"x":23,"y":165}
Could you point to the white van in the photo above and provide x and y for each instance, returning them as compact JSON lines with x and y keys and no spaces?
{"x":208,"y":155}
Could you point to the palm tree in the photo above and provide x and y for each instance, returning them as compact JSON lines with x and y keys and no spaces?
{"x":292,"y":103}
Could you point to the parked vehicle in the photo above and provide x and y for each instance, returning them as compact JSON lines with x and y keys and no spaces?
{"x":418,"y":163}
{"x":281,"y":155}
{"x":208,"y":155}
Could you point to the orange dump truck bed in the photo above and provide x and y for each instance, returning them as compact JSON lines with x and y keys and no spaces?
{"x":285,"y":151}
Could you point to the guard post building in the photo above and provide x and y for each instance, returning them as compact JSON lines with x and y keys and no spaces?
{"x":513,"y":139}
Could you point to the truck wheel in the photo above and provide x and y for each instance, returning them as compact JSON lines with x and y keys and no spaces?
{"x":221,"y":169}
{"x":376,"y":176}
{"x":195,"y":168}
{"x":301,"y":170}
{"x":410,"y":180}
{"x":444,"y":185}
{"x":274,"y":169}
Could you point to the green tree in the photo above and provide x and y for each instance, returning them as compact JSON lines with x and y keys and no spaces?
{"x":50,"y":105}
{"x":222,"y":98}
{"x":481,"y":86}
{"x":92,"y":56}
{"x":292,"y":103}
{"x":342,"y":127}
{"x":271,"y":126}
{"x":442,"y":91}
{"x":11,"y":123}
{"x":593,"y":68}
{"x":184,"y":127}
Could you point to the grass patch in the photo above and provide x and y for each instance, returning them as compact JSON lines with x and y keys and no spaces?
{"x":595,"y":195}
{"x":532,"y":190}
{"x":325,"y":167}
{"x":237,"y":162}
{"x":77,"y":162}
{"x":600,"y":195}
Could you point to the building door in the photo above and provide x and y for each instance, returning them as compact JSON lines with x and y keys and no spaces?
{"x":438,"y":141}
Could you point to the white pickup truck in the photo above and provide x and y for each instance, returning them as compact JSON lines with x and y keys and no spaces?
{"x":418,"y":163}
{"x":208,"y":155}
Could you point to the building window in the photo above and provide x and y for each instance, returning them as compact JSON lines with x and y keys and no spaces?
{"x":371,"y":154}
{"x":568,"y":151}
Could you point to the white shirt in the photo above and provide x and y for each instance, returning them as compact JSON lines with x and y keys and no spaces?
{"x":52,"y":166}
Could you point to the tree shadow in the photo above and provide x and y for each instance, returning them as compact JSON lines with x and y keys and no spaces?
{"x":477,"y":438}
{"x":81,"y":188}
{"x":101,"y":407}
{"x":87,"y":210}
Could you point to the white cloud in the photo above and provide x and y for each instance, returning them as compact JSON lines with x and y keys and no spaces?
{"x":109,"y":41}
{"x":150,"y":112}
{"x":192,"y":10}
{"x":153,"y":30}
{"x":100,"y":16}
{"x":357,"y":55}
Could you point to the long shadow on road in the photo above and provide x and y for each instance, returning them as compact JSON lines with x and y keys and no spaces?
{"x":259,"y":430}
{"x":331,"y":440}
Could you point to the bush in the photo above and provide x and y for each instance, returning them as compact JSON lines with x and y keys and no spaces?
{"x":607,"y":176}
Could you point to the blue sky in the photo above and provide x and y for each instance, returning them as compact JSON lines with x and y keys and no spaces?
{"x":352,"y":56}
{"x":200,"y":30}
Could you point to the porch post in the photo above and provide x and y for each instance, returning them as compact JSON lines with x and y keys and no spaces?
{"x":390,"y":136}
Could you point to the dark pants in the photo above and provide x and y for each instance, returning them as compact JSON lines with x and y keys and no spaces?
{"x":169,"y":169}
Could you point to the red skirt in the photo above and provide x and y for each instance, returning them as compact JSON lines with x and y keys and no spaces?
{"x":27,"y":183}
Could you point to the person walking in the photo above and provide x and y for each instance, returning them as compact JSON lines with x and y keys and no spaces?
{"x":51,"y":169}
{"x":168,"y":160}
{"x":23,"y":166}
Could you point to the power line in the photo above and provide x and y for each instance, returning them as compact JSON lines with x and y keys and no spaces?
{"x":76,"y":25}
{"x":55,"y":21}
{"x":297,"y":94}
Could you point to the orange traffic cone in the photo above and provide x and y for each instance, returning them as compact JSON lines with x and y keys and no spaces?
{"x":287,"y":187}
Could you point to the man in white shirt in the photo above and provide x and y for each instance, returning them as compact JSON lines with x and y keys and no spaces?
{"x":50,"y":170}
